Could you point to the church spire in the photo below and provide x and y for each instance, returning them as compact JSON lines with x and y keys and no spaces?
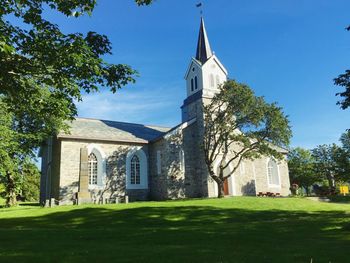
{"x":203,"y":48}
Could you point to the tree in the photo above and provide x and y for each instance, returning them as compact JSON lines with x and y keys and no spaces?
{"x":345,"y":145}
{"x":301,"y":168}
{"x":331,"y":164}
{"x":9,"y":161}
{"x":343,"y":80}
{"x":30,"y":185}
{"x":238,"y":125}
{"x":345,"y":141}
{"x":43,"y":71}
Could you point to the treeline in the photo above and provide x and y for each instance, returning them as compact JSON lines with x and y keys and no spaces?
{"x":28,"y":182}
{"x":327,"y":166}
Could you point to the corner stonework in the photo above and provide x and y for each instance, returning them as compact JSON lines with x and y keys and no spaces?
{"x":83,"y":196}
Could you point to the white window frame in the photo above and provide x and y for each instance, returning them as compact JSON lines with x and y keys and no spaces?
{"x":182,"y":160}
{"x":91,"y":168}
{"x":143,"y":169}
{"x":278,"y":174}
{"x":101,"y":165}
{"x":136,"y":170}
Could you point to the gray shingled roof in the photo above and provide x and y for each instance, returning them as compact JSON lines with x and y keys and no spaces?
{"x":93,"y":129}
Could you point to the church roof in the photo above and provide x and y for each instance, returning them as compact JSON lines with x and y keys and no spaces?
{"x":104,"y":130}
{"x":203,"y":48}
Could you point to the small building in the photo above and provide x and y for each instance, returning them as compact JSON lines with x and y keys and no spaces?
{"x":107,"y":161}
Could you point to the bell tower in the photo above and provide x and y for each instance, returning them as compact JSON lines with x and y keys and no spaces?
{"x":203,"y":76}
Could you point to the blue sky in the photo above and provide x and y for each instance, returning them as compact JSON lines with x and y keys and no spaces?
{"x":288,"y":51}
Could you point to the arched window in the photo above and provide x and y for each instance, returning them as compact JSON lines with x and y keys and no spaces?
{"x":272,"y":172}
{"x":192,"y":85}
{"x":135,"y":170}
{"x":217,"y":81}
{"x":92,"y":168}
{"x":195,"y":83}
{"x":182,"y":160}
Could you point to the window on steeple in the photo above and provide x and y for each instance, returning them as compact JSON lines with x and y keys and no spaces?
{"x":217,"y":81}
{"x":211,"y":80}
{"x":192,"y":85}
{"x":195,"y":82}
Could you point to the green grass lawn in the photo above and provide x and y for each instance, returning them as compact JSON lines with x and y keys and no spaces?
{"x":239,"y":229}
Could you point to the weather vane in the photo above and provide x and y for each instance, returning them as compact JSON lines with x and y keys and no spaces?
{"x":200,"y":6}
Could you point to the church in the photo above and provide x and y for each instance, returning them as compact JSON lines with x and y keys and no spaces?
{"x":101,"y":161}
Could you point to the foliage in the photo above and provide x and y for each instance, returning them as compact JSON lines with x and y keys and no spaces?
{"x":30,"y":182}
{"x":239,"y":125}
{"x":345,"y":141}
{"x":331,"y":164}
{"x":43,"y":72}
{"x":2,"y":190}
{"x":270,"y":230}
{"x":10,"y":154}
{"x":343,"y":80}
{"x":301,"y":165}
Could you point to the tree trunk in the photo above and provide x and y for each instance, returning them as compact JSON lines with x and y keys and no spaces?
{"x":307,"y":190}
{"x":11,"y":199}
{"x":331,"y":182}
{"x":221,"y":192}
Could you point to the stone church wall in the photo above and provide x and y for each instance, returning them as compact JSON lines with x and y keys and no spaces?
{"x":170,"y":182}
{"x":262,"y":177}
{"x":251,"y":177}
{"x":158,"y":179}
{"x":115,"y":171}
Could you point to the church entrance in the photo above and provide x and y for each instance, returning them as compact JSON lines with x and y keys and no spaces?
{"x":226,"y":189}
{"x":227,"y":182}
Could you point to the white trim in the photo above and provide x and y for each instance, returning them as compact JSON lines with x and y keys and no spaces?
{"x":182,"y":160}
{"x":217,"y":61}
{"x":192,"y":61}
{"x":278,"y":173}
{"x":101,"y":165}
{"x":179,"y":128}
{"x":231,"y":179}
{"x":137,"y":150}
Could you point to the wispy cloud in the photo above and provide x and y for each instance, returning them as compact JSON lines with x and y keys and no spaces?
{"x":135,"y":104}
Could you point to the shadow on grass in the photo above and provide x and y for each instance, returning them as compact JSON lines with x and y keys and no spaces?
{"x":340,"y":199}
{"x":29,"y":204}
{"x":176,"y":234}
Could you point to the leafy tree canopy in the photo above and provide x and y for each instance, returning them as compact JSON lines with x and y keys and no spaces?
{"x":240,"y":125}
{"x":343,"y":80}
{"x":30,"y":181}
{"x":43,"y":71}
{"x":301,"y":168}
{"x":331,"y":164}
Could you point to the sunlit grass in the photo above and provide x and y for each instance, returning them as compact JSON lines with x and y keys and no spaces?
{"x":239,"y":229}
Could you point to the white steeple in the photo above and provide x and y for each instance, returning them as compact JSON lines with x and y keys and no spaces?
{"x":203,"y":76}
{"x":205,"y":72}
